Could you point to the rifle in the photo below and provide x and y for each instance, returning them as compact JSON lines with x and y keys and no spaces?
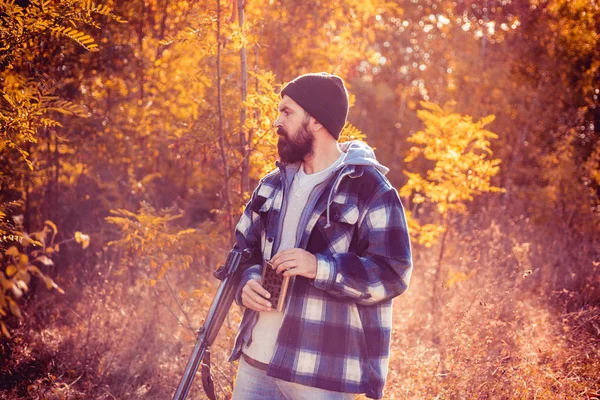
{"x":229,"y":276}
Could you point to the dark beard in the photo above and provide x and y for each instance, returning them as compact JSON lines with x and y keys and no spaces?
{"x":296,"y":149}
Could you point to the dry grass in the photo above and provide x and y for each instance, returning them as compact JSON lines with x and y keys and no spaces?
{"x":500,"y":330}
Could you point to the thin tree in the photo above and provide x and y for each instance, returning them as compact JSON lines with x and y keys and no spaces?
{"x":221,"y":133}
{"x":244,"y":142}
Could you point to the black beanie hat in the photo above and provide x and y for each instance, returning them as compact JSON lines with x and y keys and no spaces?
{"x":323,"y":96}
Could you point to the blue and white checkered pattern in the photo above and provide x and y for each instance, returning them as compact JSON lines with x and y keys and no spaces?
{"x":336,"y":329}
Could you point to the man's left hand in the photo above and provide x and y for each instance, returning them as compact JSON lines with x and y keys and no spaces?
{"x":293,"y":262}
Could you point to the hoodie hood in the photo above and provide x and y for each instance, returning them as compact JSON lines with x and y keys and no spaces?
{"x":356,"y":153}
{"x":360,"y":153}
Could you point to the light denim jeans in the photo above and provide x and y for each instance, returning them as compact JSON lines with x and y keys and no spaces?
{"x":254,"y":384}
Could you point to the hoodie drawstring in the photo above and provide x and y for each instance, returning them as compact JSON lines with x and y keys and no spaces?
{"x":333,"y":188}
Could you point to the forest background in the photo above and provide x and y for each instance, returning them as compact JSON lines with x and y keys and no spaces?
{"x":133,"y":132}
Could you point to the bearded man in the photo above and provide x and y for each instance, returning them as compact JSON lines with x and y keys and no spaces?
{"x":329,"y":219}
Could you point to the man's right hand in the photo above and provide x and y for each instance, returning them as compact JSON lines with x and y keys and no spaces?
{"x":254,"y":296}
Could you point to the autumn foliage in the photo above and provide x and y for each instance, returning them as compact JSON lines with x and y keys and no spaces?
{"x":132,"y":134}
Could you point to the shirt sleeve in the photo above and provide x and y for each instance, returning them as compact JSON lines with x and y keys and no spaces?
{"x":383,"y":270}
{"x":248,"y":236}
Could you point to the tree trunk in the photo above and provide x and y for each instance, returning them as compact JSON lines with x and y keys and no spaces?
{"x":437,"y":301}
{"x":221,"y":133}
{"x":435,"y":298}
{"x":244,"y":143}
{"x":484,"y":38}
{"x":27,"y":211}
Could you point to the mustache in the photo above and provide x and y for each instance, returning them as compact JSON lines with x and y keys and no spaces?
{"x":282,"y":132}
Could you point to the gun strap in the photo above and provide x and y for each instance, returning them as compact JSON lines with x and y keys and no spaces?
{"x":207,"y":382}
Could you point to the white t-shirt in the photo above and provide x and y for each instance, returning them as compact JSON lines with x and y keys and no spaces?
{"x":264,"y":334}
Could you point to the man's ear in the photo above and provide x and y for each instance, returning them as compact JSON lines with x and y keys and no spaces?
{"x":316,"y":125}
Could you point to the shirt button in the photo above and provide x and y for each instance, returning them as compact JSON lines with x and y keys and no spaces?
{"x":270,"y":240}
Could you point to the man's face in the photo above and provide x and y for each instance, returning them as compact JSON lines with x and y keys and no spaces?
{"x":295,"y":140}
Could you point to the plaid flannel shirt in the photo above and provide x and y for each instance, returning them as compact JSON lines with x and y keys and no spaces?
{"x":336,"y":328}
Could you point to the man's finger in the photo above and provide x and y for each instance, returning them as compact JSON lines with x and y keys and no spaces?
{"x":283,"y":259}
{"x":293,"y":271}
{"x":254,"y":305}
{"x":284,"y":265}
{"x":257,"y":287}
{"x":282,"y":253}
{"x":258,"y":294}
{"x":254,"y":300}
{"x":258,"y":305}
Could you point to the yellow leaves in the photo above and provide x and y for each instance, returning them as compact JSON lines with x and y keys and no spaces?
{"x":64,"y":107}
{"x":418,"y":199}
{"x":261,"y":110}
{"x":50,"y":123}
{"x":574,"y":22}
{"x":101,"y":9}
{"x":350,"y":132}
{"x":11,"y":270}
{"x":413,"y":153}
{"x":150,"y":240}
{"x":44,"y":260}
{"x":86,"y":41}
{"x":4,"y":329}
{"x":43,"y":4}
{"x":460,"y":148}
{"x":149,"y":178}
{"x":521,"y":252}
{"x":456,"y":277}
{"x":50,"y":284}
{"x":22,"y":285}
{"x":12,"y":251}
{"x":14,"y":308}
{"x":15,"y":280}
{"x":426,"y":235}
{"x":429,"y":234}
{"x":52,"y":226}
{"x":28,"y":105}
{"x":83,"y":239}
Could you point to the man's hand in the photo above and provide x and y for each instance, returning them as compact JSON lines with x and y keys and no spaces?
{"x":293,"y":262}
{"x":254,"y":296}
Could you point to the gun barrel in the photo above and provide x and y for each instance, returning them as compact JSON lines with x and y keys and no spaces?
{"x":190,"y":370}
{"x":217,"y":313}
